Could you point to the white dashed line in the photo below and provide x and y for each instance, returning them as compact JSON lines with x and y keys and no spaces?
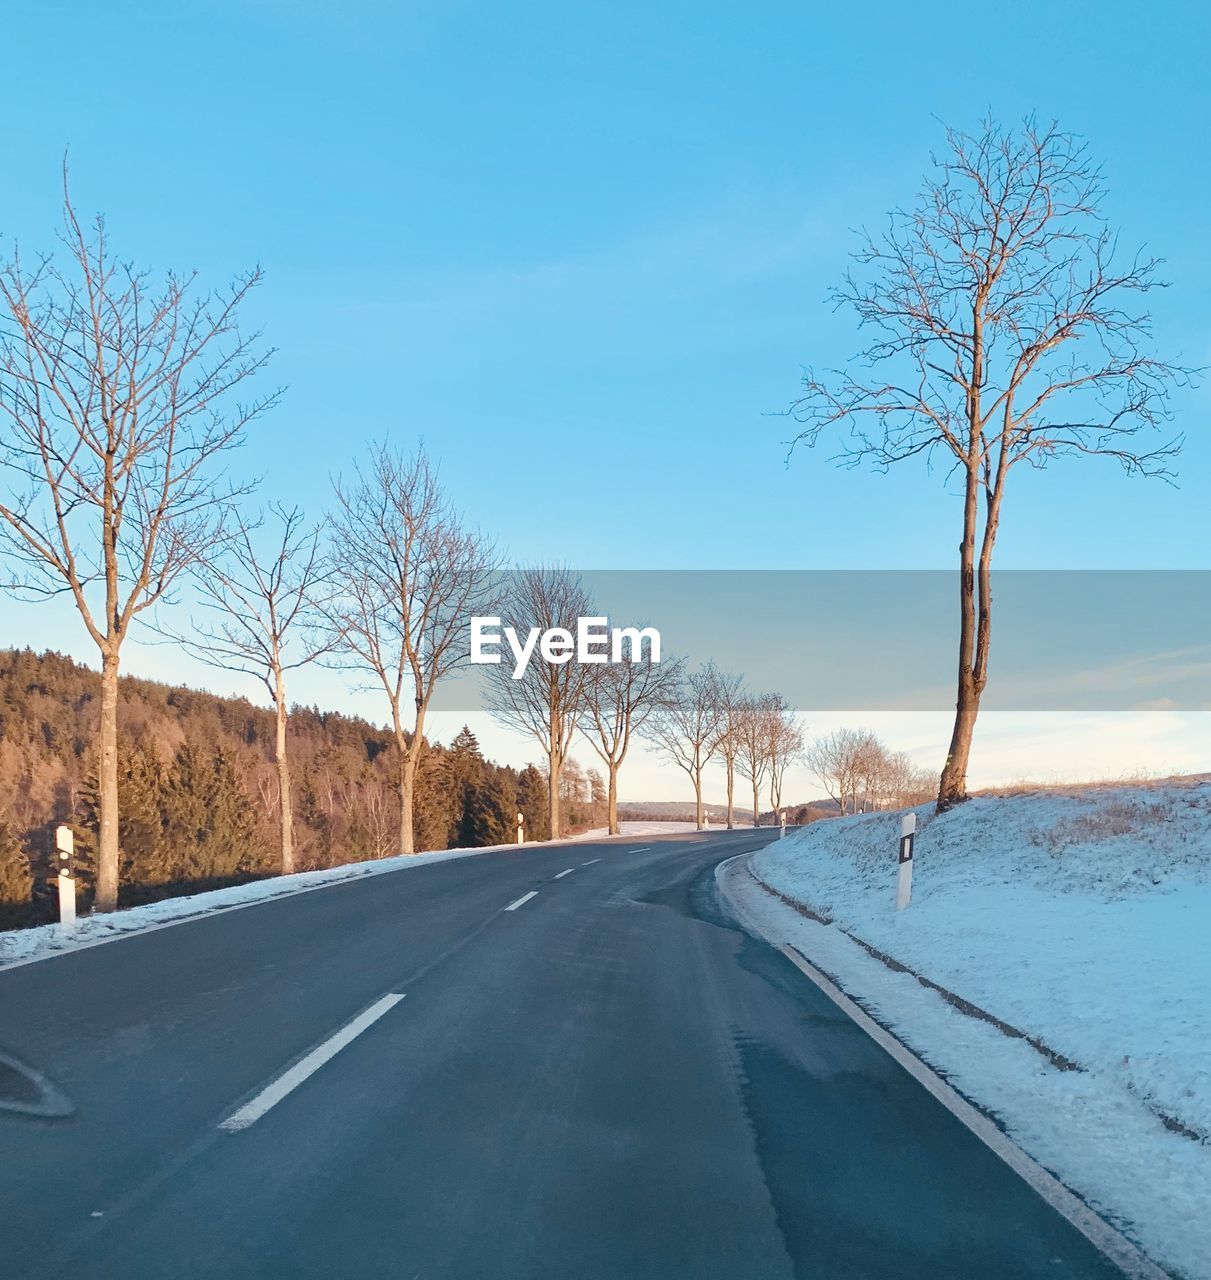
{"x":290,"y":1080}
{"x":521,"y":902}
{"x":647,"y":848}
{"x":561,"y":875}
{"x":590,"y":862}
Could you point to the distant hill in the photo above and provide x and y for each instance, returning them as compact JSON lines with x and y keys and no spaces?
{"x":683,"y":811}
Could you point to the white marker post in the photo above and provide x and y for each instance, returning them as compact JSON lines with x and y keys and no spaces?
{"x":66,"y":845}
{"x":782,"y":816}
{"x":521,"y":823}
{"x":908,"y":829}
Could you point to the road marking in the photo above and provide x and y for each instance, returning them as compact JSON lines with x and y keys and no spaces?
{"x":561,"y":875}
{"x":647,"y":848}
{"x":590,"y":862}
{"x":290,"y":1080}
{"x":521,"y":902}
{"x":1125,"y":1255}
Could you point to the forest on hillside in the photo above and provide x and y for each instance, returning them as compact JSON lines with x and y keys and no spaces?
{"x":198,"y":788}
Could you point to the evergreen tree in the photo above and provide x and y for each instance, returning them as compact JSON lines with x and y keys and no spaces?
{"x":208,"y":819}
{"x":232,"y":840}
{"x":144,"y":858}
{"x":466,"y":744}
{"x":491,"y":811}
{"x":438,"y":807}
{"x":532,"y":800}
{"x":464,"y":770}
{"x":16,"y":882}
{"x":183,"y":812}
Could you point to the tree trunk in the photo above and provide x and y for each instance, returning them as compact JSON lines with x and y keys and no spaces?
{"x":731,"y":786}
{"x":954,"y":777}
{"x":756,"y":803}
{"x":612,"y":803}
{"x":953,"y":786}
{"x":106,"y":898}
{"x":407,"y":781}
{"x":285,"y":802}
{"x":698,"y":797}
{"x":554,"y":775}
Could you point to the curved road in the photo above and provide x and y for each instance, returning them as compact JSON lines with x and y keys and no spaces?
{"x":609,"y":1080}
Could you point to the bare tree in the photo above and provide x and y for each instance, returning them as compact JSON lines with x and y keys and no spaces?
{"x":686,"y":727}
{"x":837,"y":759}
{"x":1007,"y":333}
{"x":906,"y":783}
{"x":550,"y":699}
{"x":784,"y":746}
{"x":267,"y":611}
{"x":406,"y":576}
{"x":871,"y":764}
{"x":751,"y":736}
{"x":731,"y":698}
{"x":116,"y":400}
{"x":620,"y":698}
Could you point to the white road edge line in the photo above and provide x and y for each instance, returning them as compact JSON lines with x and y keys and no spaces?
{"x":1115,"y":1246}
{"x":290,"y":1079}
{"x":561,"y":875}
{"x":590,"y":862}
{"x":521,"y":902}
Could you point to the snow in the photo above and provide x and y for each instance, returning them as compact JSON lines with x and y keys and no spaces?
{"x":23,"y":945}
{"x":1079,"y":917}
{"x":638,"y":830}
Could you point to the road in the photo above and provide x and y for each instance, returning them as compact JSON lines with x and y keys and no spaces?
{"x":609,"y":1080}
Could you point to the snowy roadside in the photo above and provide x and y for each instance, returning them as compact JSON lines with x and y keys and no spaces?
{"x":20,"y":946}
{"x":1080,"y":919}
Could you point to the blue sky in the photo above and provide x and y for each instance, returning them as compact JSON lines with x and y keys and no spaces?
{"x":582,"y":250}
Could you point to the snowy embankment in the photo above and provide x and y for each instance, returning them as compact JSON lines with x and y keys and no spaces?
{"x":1081,"y":919}
{"x":22,"y":945}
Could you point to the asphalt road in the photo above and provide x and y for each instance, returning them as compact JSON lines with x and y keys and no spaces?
{"x":609,"y":1080}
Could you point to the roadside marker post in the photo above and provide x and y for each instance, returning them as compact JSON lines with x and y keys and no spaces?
{"x":65,"y":844}
{"x":782,"y":816}
{"x":908,"y":830}
{"x":521,"y":824}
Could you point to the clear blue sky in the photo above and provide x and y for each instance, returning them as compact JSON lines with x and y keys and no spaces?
{"x":582,"y":248}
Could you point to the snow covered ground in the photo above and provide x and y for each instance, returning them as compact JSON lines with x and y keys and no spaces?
{"x":635,"y":830}
{"x":22,"y":945}
{"x":1081,"y":918}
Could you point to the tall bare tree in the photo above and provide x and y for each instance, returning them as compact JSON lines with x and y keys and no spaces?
{"x":264,"y":607}
{"x":550,"y":699}
{"x":1008,"y":331}
{"x":731,"y":698}
{"x":116,"y":402}
{"x":406,"y":577}
{"x":620,"y":698}
{"x":686,"y":727}
{"x":784,"y":746}
{"x":752,"y":744}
